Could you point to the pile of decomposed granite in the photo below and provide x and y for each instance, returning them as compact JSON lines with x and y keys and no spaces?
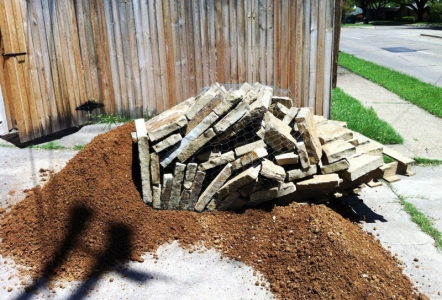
{"x":92,"y":212}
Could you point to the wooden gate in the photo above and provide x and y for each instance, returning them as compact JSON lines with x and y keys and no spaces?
{"x":139,"y":56}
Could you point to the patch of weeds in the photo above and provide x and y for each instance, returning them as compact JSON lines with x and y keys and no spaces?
{"x":54,"y":145}
{"x":388,"y":159}
{"x":420,"y":219}
{"x":111,"y":119}
{"x":4,"y":145}
{"x":426,"y":162}
{"x":78,"y":147}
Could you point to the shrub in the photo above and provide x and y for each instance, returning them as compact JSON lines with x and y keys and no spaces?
{"x":408,"y":19}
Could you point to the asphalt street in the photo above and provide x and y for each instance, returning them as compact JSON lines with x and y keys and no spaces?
{"x":420,"y":49}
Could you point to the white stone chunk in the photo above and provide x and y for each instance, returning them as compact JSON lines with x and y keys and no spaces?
{"x":167,"y":142}
{"x":217,"y":161}
{"x":301,"y":173}
{"x":287,"y":159}
{"x":272,"y":171}
{"x":240,"y":151}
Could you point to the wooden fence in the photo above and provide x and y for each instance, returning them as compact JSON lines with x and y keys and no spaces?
{"x":139,"y":56}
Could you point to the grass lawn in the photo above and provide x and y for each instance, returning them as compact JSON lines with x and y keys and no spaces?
{"x":361,"y":119}
{"x":424,"y":95}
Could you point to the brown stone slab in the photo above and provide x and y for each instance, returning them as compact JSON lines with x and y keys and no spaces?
{"x":190,"y":175}
{"x":195,"y":190}
{"x":240,"y":151}
{"x":335,"y":167}
{"x":290,"y":116}
{"x":250,"y":188}
{"x":370,"y":148}
{"x":286,"y":159}
{"x":155,"y":173}
{"x":238,"y":203}
{"x":167,"y":142}
{"x":192,"y":147}
{"x":247,"y":159}
{"x":231,"y":99}
{"x":144,"y":159}
{"x":278,"y":134}
{"x":188,"y":139}
{"x":330,"y":132}
{"x":296,"y":174}
{"x":223,"y":159}
{"x":307,"y":128}
{"x":215,"y":101}
{"x":239,"y":181}
{"x":319,"y":182}
{"x":263,"y":196}
{"x":166,"y":190}
{"x":303,"y":156}
{"x":231,"y":118}
{"x":167,"y":122}
{"x":156,"y":196}
{"x":361,"y":165}
{"x":272,"y":171}
{"x":213,"y":187}
{"x":178,"y":176}
{"x":286,"y":101}
{"x":338,"y":150}
{"x":202,"y":101}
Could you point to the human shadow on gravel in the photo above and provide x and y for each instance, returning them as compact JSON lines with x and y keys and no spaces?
{"x":354,"y":208}
{"x":118,"y":249}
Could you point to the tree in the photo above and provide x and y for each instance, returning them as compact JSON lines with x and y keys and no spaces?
{"x":378,"y":6}
{"x":418,"y":6}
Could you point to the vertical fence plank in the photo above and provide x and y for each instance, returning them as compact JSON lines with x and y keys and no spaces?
{"x":113,"y":57}
{"x":145,"y":56}
{"x":170,"y":54}
{"x":322,"y":14}
{"x":202,"y":8}
{"x":249,"y":39}
{"x":313,"y":53}
{"x":104,"y":60}
{"x":328,"y":57}
{"x":269,"y":44}
{"x":159,"y":67}
{"x":285,"y":36}
{"x":213,"y":46}
{"x":241,"y":20}
{"x":187,"y":53}
{"x":292,"y":48}
{"x":34,"y":59}
{"x":197,"y":45}
{"x":298,"y":53}
{"x":233,"y":39}
{"x":262,"y":25}
{"x":306,"y":54}
{"x":277,"y":44}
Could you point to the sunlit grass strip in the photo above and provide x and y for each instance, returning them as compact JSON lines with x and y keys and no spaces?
{"x":424,"y":95}
{"x":361,"y":119}
{"x":425,"y":162}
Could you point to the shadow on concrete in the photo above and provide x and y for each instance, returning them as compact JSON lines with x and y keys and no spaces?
{"x":118,"y":249}
{"x":352,"y":207}
{"x":14,"y":139}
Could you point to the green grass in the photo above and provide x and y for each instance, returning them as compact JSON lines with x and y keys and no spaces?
{"x":387,"y":159}
{"x":425,"y":162}
{"x":78,"y":147}
{"x":49,"y":146}
{"x":424,"y":95}
{"x":111,"y":119}
{"x":361,"y":119}
{"x":422,"y":221}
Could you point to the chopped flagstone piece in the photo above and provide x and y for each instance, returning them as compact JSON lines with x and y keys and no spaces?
{"x":306,"y":126}
{"x":240,"y":151}
{"x":335,"y":167}
{"x":287,"y":159}
{"x":178,"y":176}
{"x":190,"y":175}
{"x":338,"y":150}
{"x":301,"y":173}
{"x":272,"y":171}
{"x":167,"y":142}
{"x":278,"y":134}
{"x":217,"y":161}
{"x":361,"y":165}
{"x":249,"y":158}
{"x":319,"y":182}
{"x":213,"y":187}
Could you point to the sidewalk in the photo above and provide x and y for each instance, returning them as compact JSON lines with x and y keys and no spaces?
{"x":420,"y":130}
{"x":386,"y":218}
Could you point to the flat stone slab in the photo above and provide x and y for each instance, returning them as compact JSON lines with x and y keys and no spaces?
{"x":249,"y":158}
{"x":338,"y":150}
{"x":272,"y":171}
{"x":240,"y":151}
{"x":330,"y":132}
{"x":335,"y":167}
{"x":287,"y":159}
{"x":223,"y":159}
{"x":167,"y":142}
{"x":213,"y":187}
{"x":301,"y":173}
{"x":168,"y":121}
{"x":319,"y":182}
{"x":361,"y":165}
{"x":239,"y":181}
{"x":278,"y":134}
{"x":307,"y":128}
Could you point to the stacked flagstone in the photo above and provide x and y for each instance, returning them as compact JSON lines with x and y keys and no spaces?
{"x":224,"y":150}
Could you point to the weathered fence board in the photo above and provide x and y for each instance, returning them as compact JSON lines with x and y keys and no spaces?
{"x":144,"y":56}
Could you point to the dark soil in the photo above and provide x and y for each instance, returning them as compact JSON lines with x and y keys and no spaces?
{"x":90,"y":216}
